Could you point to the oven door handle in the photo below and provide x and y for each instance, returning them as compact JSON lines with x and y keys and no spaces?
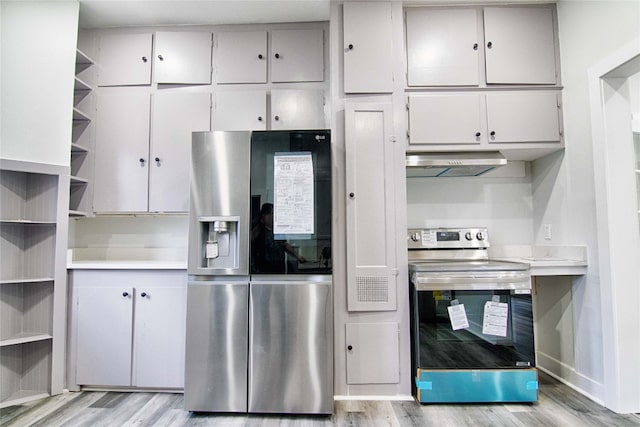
{"x":471,"y":281}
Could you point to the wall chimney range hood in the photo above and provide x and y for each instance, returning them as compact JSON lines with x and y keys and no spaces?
{"x":450,"y":164}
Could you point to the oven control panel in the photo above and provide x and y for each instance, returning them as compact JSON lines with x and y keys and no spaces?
{"x":447,"y":238}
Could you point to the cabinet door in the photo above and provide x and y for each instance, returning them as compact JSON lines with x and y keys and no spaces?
{"x":183,"y":57}
{"x":445,"y":119}
{"x":368,"y":54}
{"x":241,"y":57}
{"x":523,"y":117}
{"x":290,"y":348}
{"x":297,"y":109}
{"x":371,"y":283}
{"x":122,"y":152}
{"x":373,"y":353}
{"x":519,"y":45}
{"x":159,"y":337}
{"x":124,"y":59}
{"x":442,"y":47}
{"x":240,"y":110}
{"x":105,"y":323}
{"x":297,"y":55}
{"x":175,"y":117}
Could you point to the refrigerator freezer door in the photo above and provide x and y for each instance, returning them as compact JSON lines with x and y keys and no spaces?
{"x":291,"y":348}
{"x":216,"y":357}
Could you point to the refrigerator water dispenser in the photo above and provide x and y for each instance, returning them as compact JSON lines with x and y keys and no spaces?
{"x":219,"y":237}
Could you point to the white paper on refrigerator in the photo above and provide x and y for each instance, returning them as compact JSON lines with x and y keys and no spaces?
{"x":293,"y":193}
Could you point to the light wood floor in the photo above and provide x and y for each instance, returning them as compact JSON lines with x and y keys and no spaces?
{"x":558,"y":405}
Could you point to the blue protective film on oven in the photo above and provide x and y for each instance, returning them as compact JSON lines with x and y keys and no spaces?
{"x":509,"y":385}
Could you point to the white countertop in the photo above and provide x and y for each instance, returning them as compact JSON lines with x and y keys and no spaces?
{"x":546,"y":260}
{"x":127,"y":259}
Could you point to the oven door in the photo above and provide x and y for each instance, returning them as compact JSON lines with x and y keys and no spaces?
{"x":473,"y":329}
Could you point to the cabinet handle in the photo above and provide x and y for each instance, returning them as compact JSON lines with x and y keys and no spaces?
{"x":160,"y":57}
{"x":144,"y":294}
{"x":141,"y":161}
{"x":489,"y":45}
{"x":477,"y":134}
{"x":277,"y":55}
{"x":259,"y":118}
{"x":144,"y":59}
{"x":350,"y":46}
{"x":475,"y":46}
{"x":277,"y":118}
{"x":125,"y":294}
{"x":352,"y":195}
{"x":349,"y":347}
{"x":492,"y":133}
{"x":260,"y":56}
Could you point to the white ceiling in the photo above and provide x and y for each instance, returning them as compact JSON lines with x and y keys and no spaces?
{"x":122,"y":13}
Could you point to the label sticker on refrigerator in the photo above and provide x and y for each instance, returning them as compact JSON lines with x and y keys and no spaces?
{"x":293,"y":207}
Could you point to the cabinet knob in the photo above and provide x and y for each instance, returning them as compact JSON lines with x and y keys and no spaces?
{"x":492,"y":133}
{"x":277,"y":118}
{"x":125,"y":294}
{"x":144,"y":59}
{"x":277,"y":55}
{"x":259,"y":118}
{"x":475,"y":46}
{"x":489,"y":45}
{"x":160,"y":57}
{"x":144,"y":294}
{"x":260,"y":56}
{"x":157,"y":159}
{"x":352,"y":195}
{"x":350,"y":46}
{"x":141,"y":160}
{"x":349,"y":347}
{"x":477,"y":134}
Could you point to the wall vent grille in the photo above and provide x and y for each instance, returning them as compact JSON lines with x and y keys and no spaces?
{"x":373,"y":288}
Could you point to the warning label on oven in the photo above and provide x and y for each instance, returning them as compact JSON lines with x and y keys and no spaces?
{"x":458,"y":316}
{"x":495,"y":318}
{"x":429,"y":238}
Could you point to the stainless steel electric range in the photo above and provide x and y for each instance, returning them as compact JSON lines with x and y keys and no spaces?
{"x":471,"y":319}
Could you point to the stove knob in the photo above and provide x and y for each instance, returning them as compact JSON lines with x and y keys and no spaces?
{"x":415,"y":237}
{"x":468,"y":236}
{"x":480,"y":235}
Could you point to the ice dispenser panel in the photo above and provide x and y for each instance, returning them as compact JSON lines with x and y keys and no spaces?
{"x":219,"y":242}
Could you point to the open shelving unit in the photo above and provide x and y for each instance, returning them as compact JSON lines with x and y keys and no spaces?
{"x":81,"y":143}
{"x":33,"y":231}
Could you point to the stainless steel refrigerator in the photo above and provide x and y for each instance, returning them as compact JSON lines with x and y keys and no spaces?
{"x":259,"y":298}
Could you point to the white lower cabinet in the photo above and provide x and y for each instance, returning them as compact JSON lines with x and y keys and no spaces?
{"x":129,"y":328}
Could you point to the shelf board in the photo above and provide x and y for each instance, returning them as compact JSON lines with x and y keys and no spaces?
{"x":26,"y":280}
{"x":83,"y":58}
{"x":26,"y":222}
{"x":77,"y":213}
{"x":23,"y":396}
{"x":80,"y":116}
{"x":75,"y":148}
{"x":75,"y":180}
{"x":81,"y":85}
{"x":25,"y":337}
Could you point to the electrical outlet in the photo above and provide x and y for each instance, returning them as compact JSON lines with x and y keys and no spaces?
{"x":547,"y":232}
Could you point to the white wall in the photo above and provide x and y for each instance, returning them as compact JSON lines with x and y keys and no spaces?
{"x":38,"y":66}
{"x":563,"y":186}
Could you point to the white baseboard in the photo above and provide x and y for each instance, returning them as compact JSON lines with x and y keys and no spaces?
{"x":360,"y":397}
{"x":570,"y":377}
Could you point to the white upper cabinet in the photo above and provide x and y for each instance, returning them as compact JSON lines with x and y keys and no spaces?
{"x":182,"y":57}
{"x":442,"y":47}
{"x":450,"y":118}
{"x":241,"y":57}
{"x":122,"y":152}
{"x":523,"y":117}
{"x":519,"y":45}
{"x":449,"y":46}
{"x":368,"y":54}
{"x":175,"y":116}
{"x":297,"y":109}
{"x":124,"y":59}
{"x":297,"y":55}
{"x":240,"y":110}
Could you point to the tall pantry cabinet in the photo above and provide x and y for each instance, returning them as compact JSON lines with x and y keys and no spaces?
{"x":33,"y":229}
